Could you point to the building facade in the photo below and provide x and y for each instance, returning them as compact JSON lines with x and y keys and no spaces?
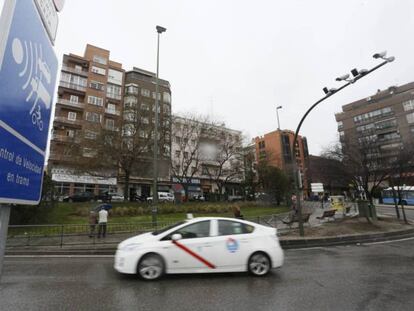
{"x":90,"y":95}
{"x":275,"y":149}
{"x":383,"y":121}
{"x":139,"y":116}
{"x":206,"y":159}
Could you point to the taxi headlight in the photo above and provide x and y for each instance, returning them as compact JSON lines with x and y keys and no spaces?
{"x":130,"y":247}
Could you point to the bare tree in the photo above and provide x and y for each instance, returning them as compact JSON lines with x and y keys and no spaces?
{"x":222,"y":162}
{"x":186,"y":136}
{"x":123,"y":149}
{"x":400,"y":168}
{"x":365,"y":165}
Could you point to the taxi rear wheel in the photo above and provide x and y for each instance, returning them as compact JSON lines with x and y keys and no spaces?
{"x":151,"y":267}
{"x":259,"y":264}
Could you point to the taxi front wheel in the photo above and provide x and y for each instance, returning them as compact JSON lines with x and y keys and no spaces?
{"x":259,"y":264}
{"x":151,"y":267}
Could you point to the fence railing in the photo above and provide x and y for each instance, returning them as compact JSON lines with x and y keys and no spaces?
{"x":85,"y":234}
{"x":20,"y":236}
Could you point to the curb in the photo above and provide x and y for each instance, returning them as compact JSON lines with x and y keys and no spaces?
{"x":286,"y":244}
{"x":346,"y":239}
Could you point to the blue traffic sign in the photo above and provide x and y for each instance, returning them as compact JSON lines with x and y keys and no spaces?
{"x":28,"y":69}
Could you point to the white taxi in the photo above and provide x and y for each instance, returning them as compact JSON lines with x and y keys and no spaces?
{"x":201,"y":245}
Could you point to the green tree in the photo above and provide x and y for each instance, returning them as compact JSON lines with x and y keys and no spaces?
{"x":274,"y":182}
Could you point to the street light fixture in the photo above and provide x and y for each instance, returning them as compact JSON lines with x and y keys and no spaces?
{"x":328,"y":93}
{"x":277,"y":113}
{"x":154,"y":210}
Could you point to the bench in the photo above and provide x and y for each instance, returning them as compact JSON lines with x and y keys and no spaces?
{"x":292,"y":218}
{"x":328,"y":214}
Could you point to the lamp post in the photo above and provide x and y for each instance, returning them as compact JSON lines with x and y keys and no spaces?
{"x":357,"y":74}
{"x":154,"y":211}
{"x":277,"y":113}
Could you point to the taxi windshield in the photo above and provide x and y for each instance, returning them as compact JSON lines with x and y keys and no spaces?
{"x":157,"y":232}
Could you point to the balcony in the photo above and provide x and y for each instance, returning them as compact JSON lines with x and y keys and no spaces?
{"x":75,"y":70}
{"x":68,"y":103}
{"x":112,"y":128}
{"x":65,"y":120}
{"x":65,"y":139}
{"x":113,"y":96}
{"x":72,"y":86}
{"x":54,"y":156}
{"x":112,"y":112}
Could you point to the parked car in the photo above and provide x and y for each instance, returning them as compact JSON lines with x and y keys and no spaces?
{"x":198,"y":197}
{"x":80,"y":197}
{"x":201,"y":245}
{"x":115,"y":197}
{"x":162,"y":197}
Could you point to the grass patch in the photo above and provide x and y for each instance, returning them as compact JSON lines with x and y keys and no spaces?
{"x":127,"y":212}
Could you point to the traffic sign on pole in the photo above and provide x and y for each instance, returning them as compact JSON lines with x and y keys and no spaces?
{"x":28,"y":70}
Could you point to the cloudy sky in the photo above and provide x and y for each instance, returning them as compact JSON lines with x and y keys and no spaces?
{"x":237,"y":60}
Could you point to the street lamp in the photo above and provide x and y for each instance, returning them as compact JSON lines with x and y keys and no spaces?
{"x":277,"y":113}
{"x":357,"y":74}
{"x":160,"y":30}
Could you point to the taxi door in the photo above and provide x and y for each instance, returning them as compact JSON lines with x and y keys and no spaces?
{"x":193,"y":252}
{"x":231,"y":244}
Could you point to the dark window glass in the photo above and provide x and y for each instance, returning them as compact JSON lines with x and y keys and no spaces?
{"x":228,"y":227}
{"x":198,"y":230}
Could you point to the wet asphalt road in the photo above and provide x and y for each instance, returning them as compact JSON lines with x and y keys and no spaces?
{"x":366,"y":277}
{"x":390,"y":210}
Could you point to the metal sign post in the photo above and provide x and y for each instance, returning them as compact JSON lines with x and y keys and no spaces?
{"x":4,"y":224}
{"x":28,"y":70}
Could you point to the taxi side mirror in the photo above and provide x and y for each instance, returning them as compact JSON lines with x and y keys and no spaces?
{"x":176,"y":237}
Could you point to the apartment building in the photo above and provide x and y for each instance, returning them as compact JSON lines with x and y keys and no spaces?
{"x":206,"y":159}
{"x":275,"y":149}
{"x":383,"y":121}
{"x":90,"y":96}
{"x":139,"y":116}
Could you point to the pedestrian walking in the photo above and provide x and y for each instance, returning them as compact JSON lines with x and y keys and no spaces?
{"x":294,"y":202}
{"x":103,"y":219}
{"x":236,"y":212}
{"x":93,"y":221}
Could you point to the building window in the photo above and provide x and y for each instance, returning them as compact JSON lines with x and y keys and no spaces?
{"x":74,"y":99}
{"x":88,"y":152}
{"x":159,"y":95}
{"x":177,"y":139}
{"x":90,"y":134}
{"x":261,"y":144}
{"x":167,"y":97}
{"x":185,"y":155}
{"x":93,"y":117}
{"x":72,"y":116}
{"x":408,"y":105}
{"x":97,"y":85}
{"x":110,"y":123}
{"x":177,"y":153}
{"x":145,"y":107}
{"x":97,"y":101}
{"x":113,"y":91}
{"x":373,"y":114}
{"x":145,"y":92}
{"x":131,"y":89}
{"x":98,"y":70}
{"x":99,"y":59}
{"x":115,"y":76}
{"x":410,"y":117}
{"x":70,"y":133}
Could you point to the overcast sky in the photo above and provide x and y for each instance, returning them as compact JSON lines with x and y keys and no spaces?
{"x":237,"y":60}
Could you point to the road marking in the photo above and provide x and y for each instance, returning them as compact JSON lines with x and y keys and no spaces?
{"x":196,"y":256}
{"x":60,"y":256}
{"x":385,"y":242}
